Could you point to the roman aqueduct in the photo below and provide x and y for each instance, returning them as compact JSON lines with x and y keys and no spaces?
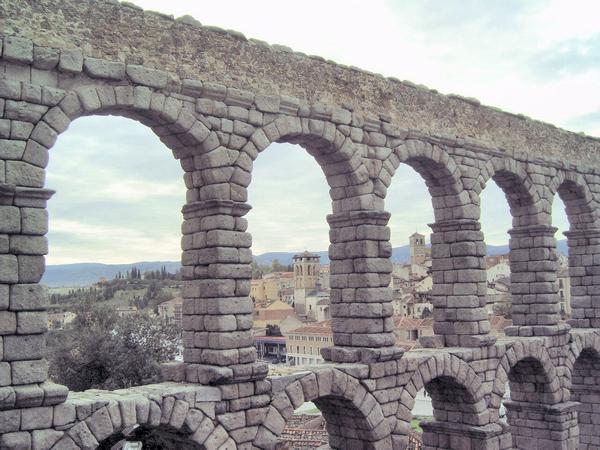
{"x":217,"y":99}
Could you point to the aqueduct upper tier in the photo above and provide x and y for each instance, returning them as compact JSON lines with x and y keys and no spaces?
{"x":217,"y":100}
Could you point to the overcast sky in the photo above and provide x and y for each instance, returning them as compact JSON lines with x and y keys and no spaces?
{"x":120,"y":192}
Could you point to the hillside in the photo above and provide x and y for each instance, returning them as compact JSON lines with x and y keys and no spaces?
{"x":85,"y":274}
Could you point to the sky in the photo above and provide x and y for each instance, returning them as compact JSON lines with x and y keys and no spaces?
{"x":120,"y":191}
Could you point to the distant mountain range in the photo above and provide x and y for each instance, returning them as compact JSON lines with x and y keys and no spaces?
{"x":85,"y":274}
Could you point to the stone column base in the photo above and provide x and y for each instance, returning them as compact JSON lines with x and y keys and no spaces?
{"x":448,"y":435}
{"x":32,"y":395}
{"x":213,"y":375}
{"x":360,"y":354}
{"x":537,"y":330}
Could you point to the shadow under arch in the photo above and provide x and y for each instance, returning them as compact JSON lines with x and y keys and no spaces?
{"x":152,"y":438}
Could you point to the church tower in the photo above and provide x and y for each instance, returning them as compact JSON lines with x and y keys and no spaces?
{"x":418,"y":250}
{"x":306,"y":275}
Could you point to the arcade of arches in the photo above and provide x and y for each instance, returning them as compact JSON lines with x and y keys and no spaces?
{"x":216,"y":117}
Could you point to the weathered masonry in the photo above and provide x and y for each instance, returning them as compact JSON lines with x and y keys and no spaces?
{"x":217,"y":100}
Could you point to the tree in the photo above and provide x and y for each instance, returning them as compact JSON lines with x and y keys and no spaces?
{"x":276,"y":266}
{"x":273,"y":330}
{"x":105,"y":351}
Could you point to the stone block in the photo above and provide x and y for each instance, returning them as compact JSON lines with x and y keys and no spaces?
{"x":101,"y":68}
{"x":10,"y":219}
{"x":45,"y":79}
{"x":18,"y":49}
{"x":4,"y":244}
{"x":16,"y":441}
{"x":100,"y":424}
{"x":10,"y":89}
{"x":28,"y":395}
{"x":36,"y":418}
{"x":21,"y":130}
{"x":45,"y":58}
{"x":31,"y":268}
{"x":8,"y":322}
{"x":45,"y":439}
{"x":11,"y":149}
{"x":82,"y":436}
{"x":28,"y":372}
{"x":24,"y":174}
{"x":27,"y":297}
{"x":5,"y":377}
{"x":24,"y":347}
{"x":64,"y":414}
{"x":71,"y":61}
{"x":9,"y":269}
{"x":24,"y":111}
{"x":10,"y":421}
{"x":36,"y":154}
{"x":146,"y":76}
{"x":28,"y":245}
{"x":34,"y":221}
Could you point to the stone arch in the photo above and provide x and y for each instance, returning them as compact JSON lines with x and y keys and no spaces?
{"x":440,"y":173}
{"x":521,"y":194}
{"x":354,"y":417}
{"x":457,"y":247}
{"x":581,"y":380}
{"x":336,"y":154}
{"x":524,"y":362}
{"x":580,"y":204}
{"x":176,"y":127}
{"x":586,"y":344}
{"x":172,"y":418}
{"x":454,"y":387}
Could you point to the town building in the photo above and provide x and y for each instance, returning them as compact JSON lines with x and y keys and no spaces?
{"x":272,"y":314}
{"x":564,"y":291}
{"x":419,"y":252}
{"x":271,"y":287}
{"x":304,"y":344}
{"x":306,"y":276}
{"x":171,"y":311}
{"x":123,"y":311}
{"x":58,"y":320}
{"x":271,"y":348}
{"x":317,"y":306}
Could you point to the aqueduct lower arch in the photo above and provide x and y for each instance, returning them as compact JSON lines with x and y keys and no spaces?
{"x":220,"y":397}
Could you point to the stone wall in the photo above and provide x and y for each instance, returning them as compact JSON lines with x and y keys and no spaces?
{"x":216,"y":130}
{"x":122,"y":32}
